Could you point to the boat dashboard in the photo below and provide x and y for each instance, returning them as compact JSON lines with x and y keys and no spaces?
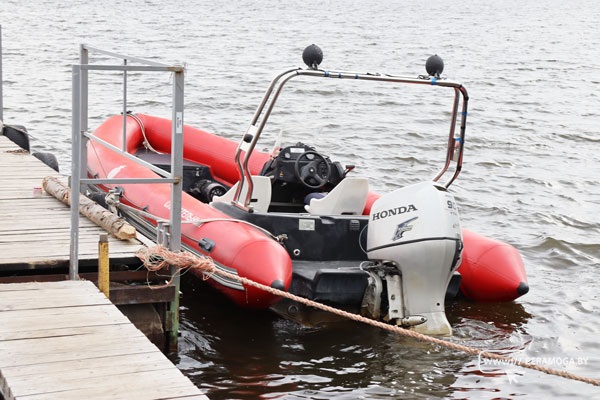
{"x":299,"y":171}
{"x":296,"y":173}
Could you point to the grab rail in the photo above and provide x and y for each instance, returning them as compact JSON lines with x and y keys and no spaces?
{"x":274,"y":90}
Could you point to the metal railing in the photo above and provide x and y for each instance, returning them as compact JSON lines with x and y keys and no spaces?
{"x":261,"y":116}
{"x":81,"y":136}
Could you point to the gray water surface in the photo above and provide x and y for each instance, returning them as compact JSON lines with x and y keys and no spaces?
{"x":531,"y":166}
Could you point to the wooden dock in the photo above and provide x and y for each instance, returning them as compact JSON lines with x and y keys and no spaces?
{"x":65,"y":340}
{"x":35,"y":228}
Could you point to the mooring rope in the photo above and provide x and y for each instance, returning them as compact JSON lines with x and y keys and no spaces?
{"x":158,"y":257}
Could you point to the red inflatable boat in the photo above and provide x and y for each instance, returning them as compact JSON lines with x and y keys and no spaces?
{"x":298,"y":221}
{"x":241,"y":247}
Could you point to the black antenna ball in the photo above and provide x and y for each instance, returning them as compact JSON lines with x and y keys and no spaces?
{"x":434,"y":66}
{"x":312,"y":56}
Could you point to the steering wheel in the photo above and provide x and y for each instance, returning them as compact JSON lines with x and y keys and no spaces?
{"x":313,"y":170}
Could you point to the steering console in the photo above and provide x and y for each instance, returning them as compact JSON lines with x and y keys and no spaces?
{"x":312,"y":169}
{"x":299,"y":170}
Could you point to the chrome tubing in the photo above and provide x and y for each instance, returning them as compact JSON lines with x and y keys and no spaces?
{"x":255,"y":129}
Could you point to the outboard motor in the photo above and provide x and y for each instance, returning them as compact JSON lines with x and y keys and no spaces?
{"x":414,"y":245}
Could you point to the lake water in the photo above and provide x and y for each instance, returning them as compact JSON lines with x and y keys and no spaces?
{"x":531,"y":166}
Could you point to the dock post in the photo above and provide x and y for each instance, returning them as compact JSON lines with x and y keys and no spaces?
{"x":176,"y":189}
{"x":83,"y":116}
{"x":164,"y":238}
{"x":84,"y":59}
{"x":103,"y":265}
{"x":75,"y":172}
{"x":1,"y":82}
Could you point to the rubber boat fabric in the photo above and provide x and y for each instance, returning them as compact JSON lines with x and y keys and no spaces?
{"x":241,"y":248}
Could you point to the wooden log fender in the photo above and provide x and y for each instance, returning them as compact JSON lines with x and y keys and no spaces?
{"x":113,"y":224}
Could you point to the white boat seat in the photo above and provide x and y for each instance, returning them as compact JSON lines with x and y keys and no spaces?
{"x":261,"y":193}
{"x":348,"y":197}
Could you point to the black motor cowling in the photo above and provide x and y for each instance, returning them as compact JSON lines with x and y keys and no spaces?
{"x":205,"y":190}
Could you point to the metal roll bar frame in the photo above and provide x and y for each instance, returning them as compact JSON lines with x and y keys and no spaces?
{"x":276,"y":86}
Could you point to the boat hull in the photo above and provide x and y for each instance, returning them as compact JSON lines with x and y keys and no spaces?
{"x":238,"y":248}
{"x":491,"y":270}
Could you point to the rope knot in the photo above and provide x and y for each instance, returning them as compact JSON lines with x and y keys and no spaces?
{"x":158,"y":257}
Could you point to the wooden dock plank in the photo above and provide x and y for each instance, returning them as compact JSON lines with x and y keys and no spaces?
{"x":58,"y":301}
{"x":66,"y":330}
{"x":19,"y":287}
{"x":89,"y":366}
{"x":45,"y":294}
{"x":61,"y":340}
{"x":35,"y":230}
{"x":98,"y":342}
{"x":30,"y":323}
{"x":127,"y":376}
{"x":142,"y":392}
{"x":13,"y":232}
{"x":58,"y":249}
{"x":41,"y":235}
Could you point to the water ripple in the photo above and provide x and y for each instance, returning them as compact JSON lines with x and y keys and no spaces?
{"x":530,"y":175}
